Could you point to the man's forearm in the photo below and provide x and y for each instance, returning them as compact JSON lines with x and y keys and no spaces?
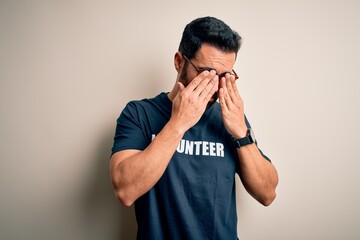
{"x":257,"y":174}
{"x":136,"y":172}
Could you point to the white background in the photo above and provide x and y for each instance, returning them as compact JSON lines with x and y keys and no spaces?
{"x":67,"y":68}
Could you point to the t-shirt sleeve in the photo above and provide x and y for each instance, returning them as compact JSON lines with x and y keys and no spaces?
{"x":248,"y":125}
{"x":129,"y":133}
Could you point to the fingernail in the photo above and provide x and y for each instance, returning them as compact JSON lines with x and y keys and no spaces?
{"x":206,"y":72}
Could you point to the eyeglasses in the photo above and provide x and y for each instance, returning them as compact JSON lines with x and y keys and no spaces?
{"x":200,"y":70}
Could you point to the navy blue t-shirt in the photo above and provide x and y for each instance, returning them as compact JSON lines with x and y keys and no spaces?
{"x":195,"y":197}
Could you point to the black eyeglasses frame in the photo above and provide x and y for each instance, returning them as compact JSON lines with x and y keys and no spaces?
{"x":200,"y":70}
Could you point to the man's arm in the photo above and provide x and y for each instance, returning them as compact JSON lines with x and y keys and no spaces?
{"x":258,"y":175}
{"x":134,"y":172}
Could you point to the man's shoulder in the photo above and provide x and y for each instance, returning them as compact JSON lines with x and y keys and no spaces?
{"x":159,"y":102}
{"x":148,"y":101}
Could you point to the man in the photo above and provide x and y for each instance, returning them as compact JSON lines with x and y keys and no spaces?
{"x":176,"y":155}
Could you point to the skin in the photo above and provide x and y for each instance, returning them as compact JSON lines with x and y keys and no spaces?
{"x":134,"y":172}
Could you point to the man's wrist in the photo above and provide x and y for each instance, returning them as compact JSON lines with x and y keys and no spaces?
{"x":240,"y":133}
{"x":248,"y":139}
{"x":176,"y":128}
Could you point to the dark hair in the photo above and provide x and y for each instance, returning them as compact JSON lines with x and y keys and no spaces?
{"x":208,"y":30}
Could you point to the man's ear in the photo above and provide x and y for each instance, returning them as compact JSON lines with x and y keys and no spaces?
{"x":178,"y":59}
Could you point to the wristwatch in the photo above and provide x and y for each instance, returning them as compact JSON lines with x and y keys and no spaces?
{"x":248,"y":139}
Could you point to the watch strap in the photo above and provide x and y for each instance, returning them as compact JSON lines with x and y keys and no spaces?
{"x":248,"y":139}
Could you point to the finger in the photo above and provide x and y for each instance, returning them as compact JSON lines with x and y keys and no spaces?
{"x":204,"y":83}
{"x":222,"y":100}
{"x":197,"y":80}
{"x":233,"y":81}
{"x":231,"y":87}
{"x":210,"y":89}
{"x":226,"y":101}
{"x":230,"y":94}
{"x":180,"y":86}
{"x":223,"y":83}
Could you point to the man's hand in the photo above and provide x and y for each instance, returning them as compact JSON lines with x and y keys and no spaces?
{"x":258,"y":175}
{"x":232,"y":107}
{"x":190,"y":102}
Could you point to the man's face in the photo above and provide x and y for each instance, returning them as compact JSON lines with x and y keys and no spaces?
{"x":207,"y":57}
